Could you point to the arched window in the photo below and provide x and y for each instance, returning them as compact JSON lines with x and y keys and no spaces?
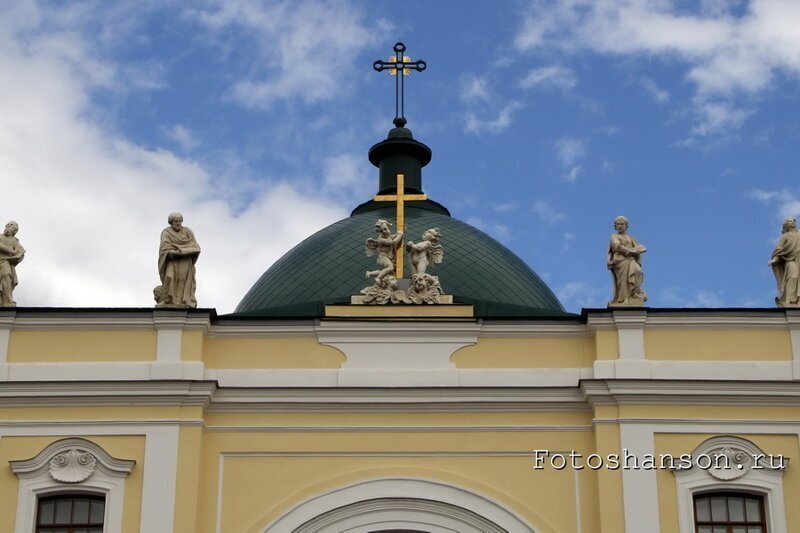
{"x":729,"y":512}
{"x":71,"y":513}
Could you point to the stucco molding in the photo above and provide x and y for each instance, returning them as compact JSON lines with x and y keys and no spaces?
{"x":743,"y":467}
{"x":640,"y":485}
{"x":363,"y":503}
{"x":76,"y":464}
{"x":158,"y":476}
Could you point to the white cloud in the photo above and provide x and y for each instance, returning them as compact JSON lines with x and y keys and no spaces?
{"x":726,"y":53}
{"x":657,"y":93}
{"x":717,"y":117}
{"x":505,"y":207}
{"x":573,"y":174}
{"x":570,"y":150}
{"x":348,"y":176}
{"x":183,"y":136}
{"x":295,"y":43}
{"x":498,"y":231}
{"x":91,"y":204}
{"x":580,"y":294}
{"x":547,"y":213}
{"x":683,"y":297}
{"x":498,"y":124}
{"x":474,"y":89}
{"x":554,"y":76}
{"x":788,"y":203}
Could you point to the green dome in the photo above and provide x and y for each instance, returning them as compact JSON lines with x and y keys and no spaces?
{"x":330,"y":266}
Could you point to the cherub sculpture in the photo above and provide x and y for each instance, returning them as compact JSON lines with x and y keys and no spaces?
{"x":386,"y":291}
{"x":425,"y":289}
{"x":385,"y":246}
{"x":426,"y":252}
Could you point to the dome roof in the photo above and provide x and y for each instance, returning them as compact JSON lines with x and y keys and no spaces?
{"x":330,"y":266}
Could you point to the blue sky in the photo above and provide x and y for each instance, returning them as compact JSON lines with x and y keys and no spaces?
{"x":546,"y":119}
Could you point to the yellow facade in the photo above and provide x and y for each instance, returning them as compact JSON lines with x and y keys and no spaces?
{"x":246,"y":426}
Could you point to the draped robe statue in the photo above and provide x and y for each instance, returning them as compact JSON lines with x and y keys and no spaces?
{"x":625,"y":264}
{"x":785,"y":264}
{"x":11,"y":253}
{"x":177,"y":255}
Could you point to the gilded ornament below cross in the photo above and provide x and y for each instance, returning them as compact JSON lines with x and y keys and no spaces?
{"x":400,"y":198}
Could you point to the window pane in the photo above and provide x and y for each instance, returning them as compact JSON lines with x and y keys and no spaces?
{"x":718,"y":511}
{"x":704,"y":529}
{"x":46,"y":512}
{"x":80,"y":511}
{"x":736,"y":509}
{"x":738,"y":529}
{"x":720,"y":529}
{"x":63,"y":509}
{"x":702,"y":510}
{"x":756,"y":529}
{"x":98,"y":512}
{"x":753,"y":510}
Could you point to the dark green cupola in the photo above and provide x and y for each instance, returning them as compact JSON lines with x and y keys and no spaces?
{"x":477,"y":269}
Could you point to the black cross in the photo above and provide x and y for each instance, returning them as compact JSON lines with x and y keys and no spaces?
{"x":401,"y":66}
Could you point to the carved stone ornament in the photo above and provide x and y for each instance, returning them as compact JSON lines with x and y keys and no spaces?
{"x":729,"y":463}
{"x":72,"y":466}
{"x":728,"y":458}
{"x":72,"y":460}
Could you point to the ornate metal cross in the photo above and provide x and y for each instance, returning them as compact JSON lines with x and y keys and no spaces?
{"x":400,"y":66}
{"x":400,"y":198}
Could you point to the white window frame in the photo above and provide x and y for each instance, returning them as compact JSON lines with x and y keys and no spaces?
{"x":40,"y":476}
{"x":766,"y":481}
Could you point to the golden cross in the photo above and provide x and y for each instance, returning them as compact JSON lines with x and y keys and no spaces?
{"x":400,"y":197}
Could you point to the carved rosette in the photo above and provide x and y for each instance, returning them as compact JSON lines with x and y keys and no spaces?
{"x":729,"y":463}
{"x":72,"y":466}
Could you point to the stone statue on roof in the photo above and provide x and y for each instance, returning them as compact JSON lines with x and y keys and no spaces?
{"x":177,"y":255}
{"x":11,"y":253}
{"x":785,"y":264}
{"x":426,"y":252}
{"x":425,"y":288}
{"x":384,"y":245}
{"x":625,"y":264}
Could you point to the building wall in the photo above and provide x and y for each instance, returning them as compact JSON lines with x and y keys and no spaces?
{"x":233,"y":424}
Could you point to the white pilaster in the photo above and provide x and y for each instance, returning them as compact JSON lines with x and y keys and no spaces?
{"x":793,"y":320}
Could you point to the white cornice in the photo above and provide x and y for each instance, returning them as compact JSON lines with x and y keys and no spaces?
{"x":533,"y":330}
{"x":261,"y":330}
{"x":93,"y":393}
{"x":683,"y":392}
{"x":399,"y":429}
{"x":369,"y":332}
{"x":726,"y":320}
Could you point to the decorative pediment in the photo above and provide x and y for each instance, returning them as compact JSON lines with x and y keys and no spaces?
{"x":727,"y":458}
{"x":72,"y":460}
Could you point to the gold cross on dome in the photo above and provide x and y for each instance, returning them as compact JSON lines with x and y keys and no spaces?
{"x":400,"y":197}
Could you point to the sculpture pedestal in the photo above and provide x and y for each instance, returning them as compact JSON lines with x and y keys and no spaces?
{"x":632,"y":302}
{"x":358,"y":299}
{"x":410,"y":311}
